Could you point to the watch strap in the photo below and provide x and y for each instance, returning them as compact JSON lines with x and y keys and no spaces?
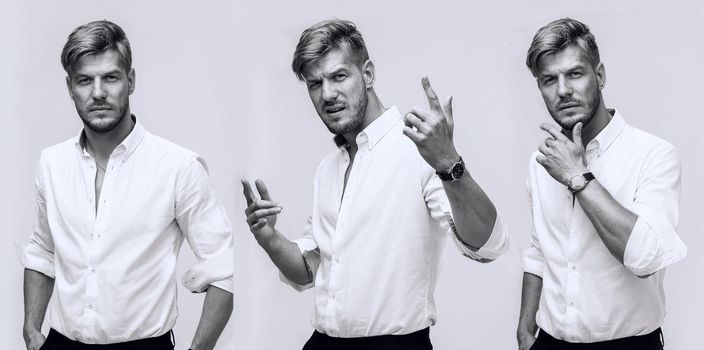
{"x":448,"y":176}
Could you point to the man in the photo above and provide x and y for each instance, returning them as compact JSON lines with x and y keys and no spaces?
{"x":114,"y":205}
{"x":604,"y":197}
{"x":381,"y":214}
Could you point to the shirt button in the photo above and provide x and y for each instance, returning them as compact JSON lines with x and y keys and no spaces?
{"x":90,"y":306}
{"x":92,"y":269}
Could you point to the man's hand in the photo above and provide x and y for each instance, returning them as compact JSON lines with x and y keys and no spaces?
{"x":525,"y":339}
{"x":261,"y":213}
{"x":431,"y":131}
{"x":561,"y":157}
{"x":34,"y":339}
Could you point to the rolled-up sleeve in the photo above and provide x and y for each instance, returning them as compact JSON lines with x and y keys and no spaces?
{"x":205,"y":225}
{"x":311,"y":256}
{"x":654,"y":243}
{"x":440,"y":209}
{"x":532,"y":260}
{"x":38,"y":253}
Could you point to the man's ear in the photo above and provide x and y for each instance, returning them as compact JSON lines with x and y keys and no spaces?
{"x":601,"y":75}
{"x":131,"y":79}
{"x":368,"y":71}
{"x":68,"y":86}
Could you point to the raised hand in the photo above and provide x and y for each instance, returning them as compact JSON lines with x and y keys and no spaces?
{"x":431,"y":131}
{"x":261,"y":212}
{"x":561,"y":157}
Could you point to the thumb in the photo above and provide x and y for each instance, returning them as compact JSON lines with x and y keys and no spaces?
{"x":447,"y":108}
{"x":577,"y":134}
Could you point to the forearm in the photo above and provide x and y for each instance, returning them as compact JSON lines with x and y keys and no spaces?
{"x":530,"y":300}
{"x":38,"y":288}
{"x":612,"y":221}
{"x":287,"y":258}
{"x":473,"y":212}
{"x":217,"y":309}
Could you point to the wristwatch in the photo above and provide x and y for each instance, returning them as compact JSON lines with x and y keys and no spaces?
{"x":455,"y":172}
{"x":579,"y":182}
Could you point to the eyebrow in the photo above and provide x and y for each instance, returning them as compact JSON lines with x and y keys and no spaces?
{"x":577,"y":66}
{"x":112,"y":72}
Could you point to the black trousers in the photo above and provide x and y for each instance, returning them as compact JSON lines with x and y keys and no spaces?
{"x":652,"y":341}
{"x":419,"y":340}
{"x":57,"y":341}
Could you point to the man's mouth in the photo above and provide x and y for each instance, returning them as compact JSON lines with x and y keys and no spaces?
{"x":334,"y":109}
{"x":568,"y":105}
{"x":100,"y":108}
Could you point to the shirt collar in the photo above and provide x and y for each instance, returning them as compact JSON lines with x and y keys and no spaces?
{"x":374,"y":132}
{"x":128,"y":145}
{"x":607,"y":135}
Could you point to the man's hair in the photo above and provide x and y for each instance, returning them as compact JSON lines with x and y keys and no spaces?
{"x":325,"y":36}
{"x":95,"y":37}
{"x":556,"y":36}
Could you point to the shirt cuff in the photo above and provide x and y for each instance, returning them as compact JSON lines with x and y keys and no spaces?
{"x":492,"y":248}
{"x":650,"y":249}
{"x":533,"y":261}
{"x":311,"y":257}
{"x":35,"y":258}
{"x":216,"y":270}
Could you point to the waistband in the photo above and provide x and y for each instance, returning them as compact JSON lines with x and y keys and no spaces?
{"x":60,"y":341}
{"x":646,"y":341}
{"x":417,"y":337}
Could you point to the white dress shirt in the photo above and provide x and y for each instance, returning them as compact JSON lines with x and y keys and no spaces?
{"x":588,"y":295}
{"x":375,"y":253}
{"x":115,"y":268}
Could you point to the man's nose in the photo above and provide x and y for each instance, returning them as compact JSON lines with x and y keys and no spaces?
{"x":330,"y":91}
{"x":563,"y":87}
{"x":99,"y":92}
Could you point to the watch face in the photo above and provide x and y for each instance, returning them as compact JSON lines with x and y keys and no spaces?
{"x":457,"y":170}
{"x":577,"y":182}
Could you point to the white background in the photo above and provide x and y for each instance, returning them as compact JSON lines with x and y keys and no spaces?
{"x":183,"y":58}
{"x":475,"y":51}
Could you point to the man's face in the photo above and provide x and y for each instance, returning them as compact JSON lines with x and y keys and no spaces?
{"x":100,"y":87}
{"x":337,"y":88}
{"x":571,"y":86}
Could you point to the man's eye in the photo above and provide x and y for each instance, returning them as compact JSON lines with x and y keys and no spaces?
{"x":83,"y":81}
{"x":313,"y":84}
{"x":339,"y":77}
{"x":575,"y":74}
{"x":548,"y":81}
{"x":111,"y":78}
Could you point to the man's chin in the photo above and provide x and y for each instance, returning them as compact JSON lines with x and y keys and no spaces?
{"x":102,"y":125}
{"x":568,"y":121}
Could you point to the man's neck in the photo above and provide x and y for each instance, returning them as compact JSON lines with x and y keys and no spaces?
{"x":101,"y":145}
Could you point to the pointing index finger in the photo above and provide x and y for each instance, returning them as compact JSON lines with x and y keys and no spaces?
{"x":247,"y":190}
{"x":430,"y":94}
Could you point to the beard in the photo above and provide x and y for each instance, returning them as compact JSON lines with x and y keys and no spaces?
{"x":355,"y":122}
{"x":590,"y":110}
{"x":106,"y":124}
